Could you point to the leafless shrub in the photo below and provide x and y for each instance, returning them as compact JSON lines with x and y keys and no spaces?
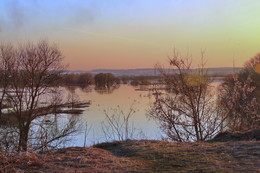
{"x":9,"y":137}
{"x":239,"y":98}
{"x":117,"y":125}
{"x":239,"y":104}
{"x":86,"y":132}
{"x":187,"y":110}
{"x":253,"y":61}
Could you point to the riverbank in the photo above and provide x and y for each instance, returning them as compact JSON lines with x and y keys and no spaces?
{"x":142,"y":156}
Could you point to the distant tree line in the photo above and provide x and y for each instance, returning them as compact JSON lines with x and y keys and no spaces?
{"x":105,"y":80}
{"x":102,"y":80}
{"x":82,"y":79}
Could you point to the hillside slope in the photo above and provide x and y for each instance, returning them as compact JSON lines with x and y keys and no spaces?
{"x":142,"y":156}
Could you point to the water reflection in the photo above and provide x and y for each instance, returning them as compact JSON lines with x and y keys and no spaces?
{"x":54,"y":131}
{"x":83,"y":88}
{"x":106,"y":90}
{"x":89,"y":89}
{"x":86,"y":89}
{"x":123,"y":96}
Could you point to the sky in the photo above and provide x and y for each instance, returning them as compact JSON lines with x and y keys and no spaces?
{"x":128,"y":34}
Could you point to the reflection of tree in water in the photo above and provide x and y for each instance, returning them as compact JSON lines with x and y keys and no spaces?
{"x":71,"y":88}
{"x":86,"y":88}
{"x":106,"y":90}
{"x":52,"y":132}
{"x":83,"y":88}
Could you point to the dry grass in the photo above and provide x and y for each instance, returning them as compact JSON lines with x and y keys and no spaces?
{"x":141,"y":156}
{"x":69,"y":160}
{"x":160,"y":156}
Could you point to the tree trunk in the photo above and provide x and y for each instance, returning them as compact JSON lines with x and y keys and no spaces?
{"x":0,"y":112}
{"x":23,"y":139}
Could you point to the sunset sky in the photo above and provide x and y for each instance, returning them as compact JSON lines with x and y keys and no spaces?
{"x":127,"y":34}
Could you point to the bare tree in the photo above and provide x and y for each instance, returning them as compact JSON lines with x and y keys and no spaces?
{"x":34,"y":72}
{"x":186,"y":110}
{"x":239,"y":104}
{"x":7,"y":53}
{"x":253,"y":61}
{"x":36,"y":69}
{"x":105,"y":80}
{"x":239,"y":97}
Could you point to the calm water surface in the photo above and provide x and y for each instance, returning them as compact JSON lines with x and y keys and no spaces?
{"x":124,"y":97}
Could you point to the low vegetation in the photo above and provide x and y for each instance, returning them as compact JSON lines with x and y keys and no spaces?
{"x":239,"y":97}
{"x":187,"y":110}
{"x":142,"y":156}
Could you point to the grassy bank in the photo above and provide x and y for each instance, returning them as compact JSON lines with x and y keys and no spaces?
{"x":142,"y":156}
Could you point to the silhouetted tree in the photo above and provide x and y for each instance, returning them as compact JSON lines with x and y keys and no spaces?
{"x":86,"y":79}
{"x":83,"y":79}
{"x":34,"y":71}
{"x":239,"y":98}
{"x":188,"y":112}
{"x":7,"y":53}
{"x":70,"y":79}
{"x":105,"y":80}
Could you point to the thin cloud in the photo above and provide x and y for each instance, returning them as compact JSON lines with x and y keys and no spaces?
{"x":15,"y":16}
{"x":118,"y":37}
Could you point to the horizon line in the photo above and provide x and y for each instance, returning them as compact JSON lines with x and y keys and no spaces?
{"x":146,"y":68}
